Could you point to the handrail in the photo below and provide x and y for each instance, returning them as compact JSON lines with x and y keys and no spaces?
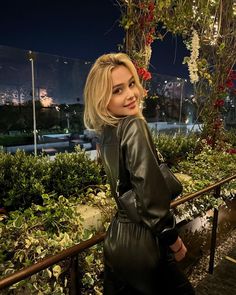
{"x":49,"y":261}
{"x":192,"y":196}
{"x":74,"y":250}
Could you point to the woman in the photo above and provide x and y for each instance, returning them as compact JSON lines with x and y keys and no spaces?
{"x":139,"y":257}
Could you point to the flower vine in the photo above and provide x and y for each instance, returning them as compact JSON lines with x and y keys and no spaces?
{"x":139,"y":20}
{"x":192,"y":62}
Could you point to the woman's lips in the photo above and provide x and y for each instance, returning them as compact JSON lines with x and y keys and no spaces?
{"x":131,"y":105}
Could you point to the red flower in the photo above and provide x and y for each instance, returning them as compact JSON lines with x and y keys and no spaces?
{"x":147,"y":76}
{"x":232,"y":75}
{"x":219,"y":102}
{"x":209,"y":141}
{"x":229,"y":84}
{"x":150,"y":18}
{"x":149,"y":40}
{"x":231,"y":151}
{"x":144,"y":74}
{"x":152,"y":30}
{"x":151,"y":6}
{"x":221,"y":88}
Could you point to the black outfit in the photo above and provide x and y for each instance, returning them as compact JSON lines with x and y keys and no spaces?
{"x":136,"y":255}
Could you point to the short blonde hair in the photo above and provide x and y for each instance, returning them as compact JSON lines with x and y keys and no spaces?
{"x":98,"y":90}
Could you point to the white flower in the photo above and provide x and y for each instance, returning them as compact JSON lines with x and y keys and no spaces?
{"x":192,"y":63}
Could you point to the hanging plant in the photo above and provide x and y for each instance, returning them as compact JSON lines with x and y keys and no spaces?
{"x":139,"y":20}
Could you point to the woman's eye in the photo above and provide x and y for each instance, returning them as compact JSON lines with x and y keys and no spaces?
{"x":132,"y":84}
{"x":117,"y":91}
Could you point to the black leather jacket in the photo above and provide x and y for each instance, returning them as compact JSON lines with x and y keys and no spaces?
{"x":138,"y":170}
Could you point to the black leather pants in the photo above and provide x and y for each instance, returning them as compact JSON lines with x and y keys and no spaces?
{"x":169,"y":280}
{"x":137,"y":263}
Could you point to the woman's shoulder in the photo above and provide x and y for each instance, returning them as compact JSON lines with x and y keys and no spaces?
{"x":133,"y":120}
{"x":132,"y":126}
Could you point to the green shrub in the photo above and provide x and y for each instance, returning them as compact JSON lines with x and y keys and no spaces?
{"x":29,"y":236}
{"x":44,"y":229}
{"x":231,"y":137}
{"x":201,"y":170}
{"x":209,"y":165}
{"x":72,"y":172}
{"x":24,"y":178}
{"x":176,"y":148}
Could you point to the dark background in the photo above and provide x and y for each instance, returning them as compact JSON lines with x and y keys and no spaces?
{"x":79,"y":29}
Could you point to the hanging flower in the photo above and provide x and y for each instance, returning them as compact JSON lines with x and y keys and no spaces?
{"x":219,"y":102}
{"x":139,"y":19}
{"x":149,"y":39}
{"x":229,"y":83}
{"x":192,"y":62}
{"x":230,"y":80}
{"x":144,"y":74}
{"x":232,"y":75}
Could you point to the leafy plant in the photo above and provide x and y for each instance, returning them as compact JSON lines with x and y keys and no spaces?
{"x":41,"y":230}
{"x":176,"y":148}
{"x":54,"y":224}
{"x":24,"y":178}
{"x":201,"y":170}
{"x":71,"y":173}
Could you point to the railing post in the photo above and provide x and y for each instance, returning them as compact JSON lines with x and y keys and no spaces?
{"x":75,"y":277}
{"x":214,"y":233}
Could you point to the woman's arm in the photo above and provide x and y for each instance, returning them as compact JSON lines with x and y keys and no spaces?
{"x":152,"y":193}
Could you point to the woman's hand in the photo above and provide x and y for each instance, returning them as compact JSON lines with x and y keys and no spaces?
{"x":179,"y":249}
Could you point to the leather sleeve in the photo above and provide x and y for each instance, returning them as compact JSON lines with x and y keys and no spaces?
{"x":147,"y":181}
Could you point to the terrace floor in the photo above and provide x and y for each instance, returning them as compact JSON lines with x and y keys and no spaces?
{"x":223,"y":280}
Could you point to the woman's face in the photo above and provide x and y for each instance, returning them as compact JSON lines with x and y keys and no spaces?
{"x":125,"y":94}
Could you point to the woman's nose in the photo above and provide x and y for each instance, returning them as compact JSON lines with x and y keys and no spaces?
{"x":129,"y":94}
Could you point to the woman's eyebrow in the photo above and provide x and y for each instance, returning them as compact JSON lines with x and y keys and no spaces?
{"x":118,"y":85}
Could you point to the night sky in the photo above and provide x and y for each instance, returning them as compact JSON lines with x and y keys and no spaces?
{"x":83,"y":30}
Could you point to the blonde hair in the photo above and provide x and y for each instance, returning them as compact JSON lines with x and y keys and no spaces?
{"x":98,"y":90}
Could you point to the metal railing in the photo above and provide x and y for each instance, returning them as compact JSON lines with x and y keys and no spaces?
{"x":72,"y":252}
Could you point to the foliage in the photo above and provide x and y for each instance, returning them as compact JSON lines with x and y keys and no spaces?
{"x":27,"y":237}
{"x":209,"y":32}
{"x":92,"y":282}
{"x":231,"y":138}
{"x":209,"y":165}
{"x":19,"y":117}
{"x":42,"y":230}
{"x":202,"y":170}
{"x":139,"y":21}
{"x":176,"y":148}
{"x":72,"y":172}
{"x":24,"y":178}
{"x":197,"y":166}
{"x":150,"y":106}
{"x":32,"y":234}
